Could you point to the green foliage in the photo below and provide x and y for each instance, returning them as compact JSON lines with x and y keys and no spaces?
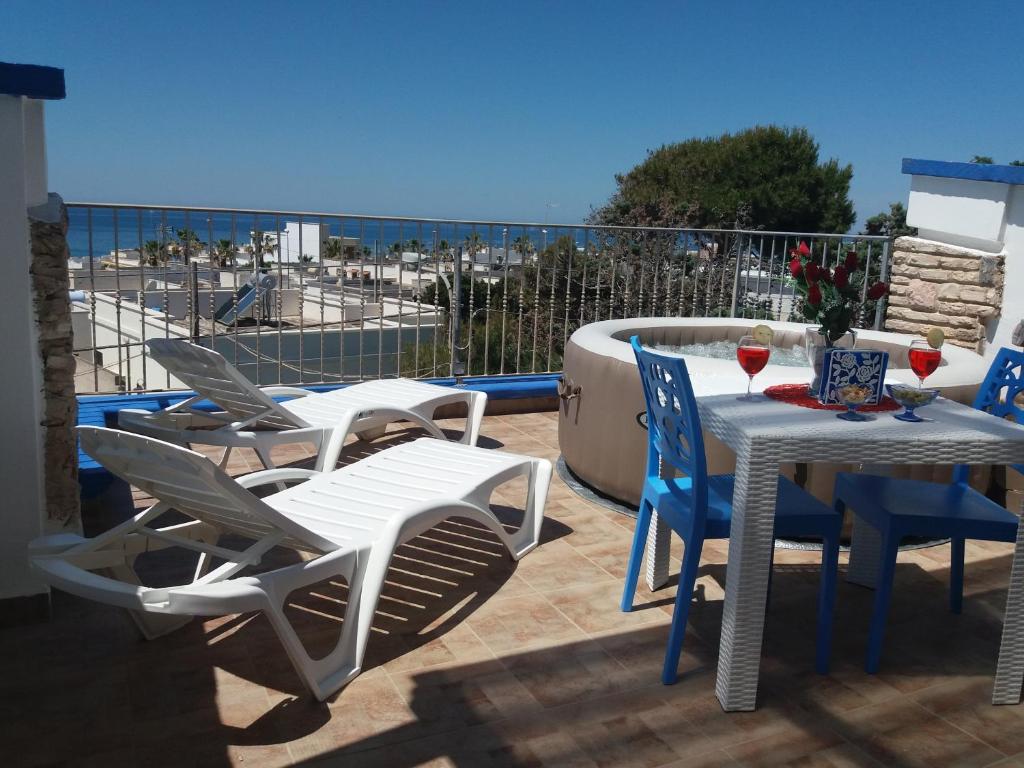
{"x":1017,"y":162}
{"x":767,"y":175}
{"x":982,"y":159}
{"x":891,"y":224}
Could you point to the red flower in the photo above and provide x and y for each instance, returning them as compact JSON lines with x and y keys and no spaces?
{"x":814,"y":295}
{"x":796,"y":268}
{"x":852,"y":262}
{"x":824,"y":275}
{"x":811,"y":271}
{"x":803,"y":250}
{"x":794,"y":253}
{"x":841,"y":278}
{"x":878,"y":290}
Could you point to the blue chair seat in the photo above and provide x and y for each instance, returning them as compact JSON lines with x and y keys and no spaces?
{"x":921,"y":508}
{"x":797,"y":513}
{"x":897,"y":508}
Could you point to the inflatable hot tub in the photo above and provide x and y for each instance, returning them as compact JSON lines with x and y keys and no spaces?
{"x":603,"y":440}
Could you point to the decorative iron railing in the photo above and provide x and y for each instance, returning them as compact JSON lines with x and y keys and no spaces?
{"x":298,"y":297}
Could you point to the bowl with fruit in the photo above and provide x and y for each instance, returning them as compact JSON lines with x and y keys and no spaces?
{"x":853,"y":396}
{"x":910,"y":398}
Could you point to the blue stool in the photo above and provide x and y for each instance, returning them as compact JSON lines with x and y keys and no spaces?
{"x":898,"y":508}
{"x":699,"y":507}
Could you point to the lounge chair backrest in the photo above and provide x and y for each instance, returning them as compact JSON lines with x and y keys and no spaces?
{"x":207,"y":373}
{"x":192,"y":484}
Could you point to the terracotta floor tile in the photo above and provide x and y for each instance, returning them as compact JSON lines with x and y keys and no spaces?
{"x":476,"y":660}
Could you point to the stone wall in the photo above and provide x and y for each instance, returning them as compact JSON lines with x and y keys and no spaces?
{"x":934,"y":284}
{"x":49,"y":270}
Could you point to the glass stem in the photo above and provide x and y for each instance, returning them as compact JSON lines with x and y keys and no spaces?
{"x":750,"y":380}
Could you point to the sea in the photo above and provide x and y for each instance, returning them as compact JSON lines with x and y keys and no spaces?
{"x":95,"y":232}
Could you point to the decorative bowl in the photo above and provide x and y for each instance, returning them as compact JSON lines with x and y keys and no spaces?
{"x":910,"y":398}
{"x":853,"y":396}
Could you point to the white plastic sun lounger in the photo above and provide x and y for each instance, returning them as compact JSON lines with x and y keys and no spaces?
{"x":352,"y":518}
{"x":250,"y":418}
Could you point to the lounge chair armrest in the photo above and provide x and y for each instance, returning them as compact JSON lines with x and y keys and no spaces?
{"x":267,"y":476}
{"x":284,"y":391}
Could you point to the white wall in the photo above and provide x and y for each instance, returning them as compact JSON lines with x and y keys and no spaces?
{"x":1013,"y":288}
{"x":984,"y":215}
{"x":22,"y":185}
{"x":311,"y":237}
{"x":958,"y":211}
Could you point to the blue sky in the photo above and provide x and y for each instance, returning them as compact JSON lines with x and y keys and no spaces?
{"x":492,"y":110}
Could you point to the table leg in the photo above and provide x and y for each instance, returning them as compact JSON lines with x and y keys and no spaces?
{"x":865,"y":554}
{"x":659,"y":537}
{"x":746,"y":581}
{"x":1010,"y":668}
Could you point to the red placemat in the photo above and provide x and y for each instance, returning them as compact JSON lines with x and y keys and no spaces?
{"x":796,"y":394}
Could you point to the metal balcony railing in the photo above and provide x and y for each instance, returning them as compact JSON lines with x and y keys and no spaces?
{"x":296,"y":297}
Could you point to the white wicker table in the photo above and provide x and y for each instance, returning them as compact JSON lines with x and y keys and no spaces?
{"x":765,"y":433}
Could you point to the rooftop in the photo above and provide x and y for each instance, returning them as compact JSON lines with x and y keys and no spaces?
{"x":479,"y":661}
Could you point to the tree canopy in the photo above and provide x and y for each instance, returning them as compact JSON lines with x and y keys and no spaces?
{"x":766,"y":177}
{"x":891,"y":224}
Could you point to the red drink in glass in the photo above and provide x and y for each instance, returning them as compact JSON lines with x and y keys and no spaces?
{"x":924,"y":361}
{"x":753,"y":359}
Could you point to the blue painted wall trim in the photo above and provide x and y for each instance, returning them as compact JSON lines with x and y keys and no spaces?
{"x":32,"y":80}
{"x":101,"y":410}
{"x":1003,"y":174}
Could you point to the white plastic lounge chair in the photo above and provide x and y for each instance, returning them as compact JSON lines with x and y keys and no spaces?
{"x":250,"y":418}
{"x":352,"y":518}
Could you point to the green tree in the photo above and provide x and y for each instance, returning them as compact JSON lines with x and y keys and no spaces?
{"x":982,"y":160}
{"x":223,"y":254}
{"x":1017,"y":162}
{"x":155,"y":253}
{"x":332,"y":248}
{"x":891,"y":224}
{"x":766,"y":176}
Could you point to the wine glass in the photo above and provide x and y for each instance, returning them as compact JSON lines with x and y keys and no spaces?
{"x":924,"y":359}
{"x":752,"y":356}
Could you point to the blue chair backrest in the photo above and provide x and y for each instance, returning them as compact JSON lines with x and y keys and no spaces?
{"x":673,"y":424}
{"x":1003,"y":383}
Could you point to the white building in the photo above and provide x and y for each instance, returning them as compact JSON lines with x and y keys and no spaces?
{"x":297,"y":240}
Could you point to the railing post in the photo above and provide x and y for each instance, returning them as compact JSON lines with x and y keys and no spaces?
{"x":884,"y":277}
{"x":455,"y":301}
{"x":736,"y":275}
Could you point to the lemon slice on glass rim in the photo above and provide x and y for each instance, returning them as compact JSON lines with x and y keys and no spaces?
{"x":935,"y":338}
{"x":763,"y":334}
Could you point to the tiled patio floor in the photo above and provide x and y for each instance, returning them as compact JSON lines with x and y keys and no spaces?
{"x":478,"y":661}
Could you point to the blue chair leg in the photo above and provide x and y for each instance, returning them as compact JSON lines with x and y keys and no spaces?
{"x":883,"y":593}
{"x":684,"y":595}
{"x":636,"y":554}
{"x":956,"y":576}
{"x":827,"y":600}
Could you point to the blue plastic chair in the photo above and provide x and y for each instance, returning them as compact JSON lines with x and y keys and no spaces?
{"x":699,"y":507}
{"x":897,"y":508}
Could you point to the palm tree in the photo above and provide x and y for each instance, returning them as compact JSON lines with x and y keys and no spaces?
{"x":189,"y":241}
{"x":224,"y":254}
{"x":155,"y":253}
{"x":414,"y":245}
{"x":332,"y":248}
{"x":524,"y":246}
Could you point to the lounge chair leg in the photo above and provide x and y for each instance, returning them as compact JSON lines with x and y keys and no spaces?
{"x":264,"y":456}
{"x":636,"y":555}
{"x":956,"y":576}
{"x":477,"y":406}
